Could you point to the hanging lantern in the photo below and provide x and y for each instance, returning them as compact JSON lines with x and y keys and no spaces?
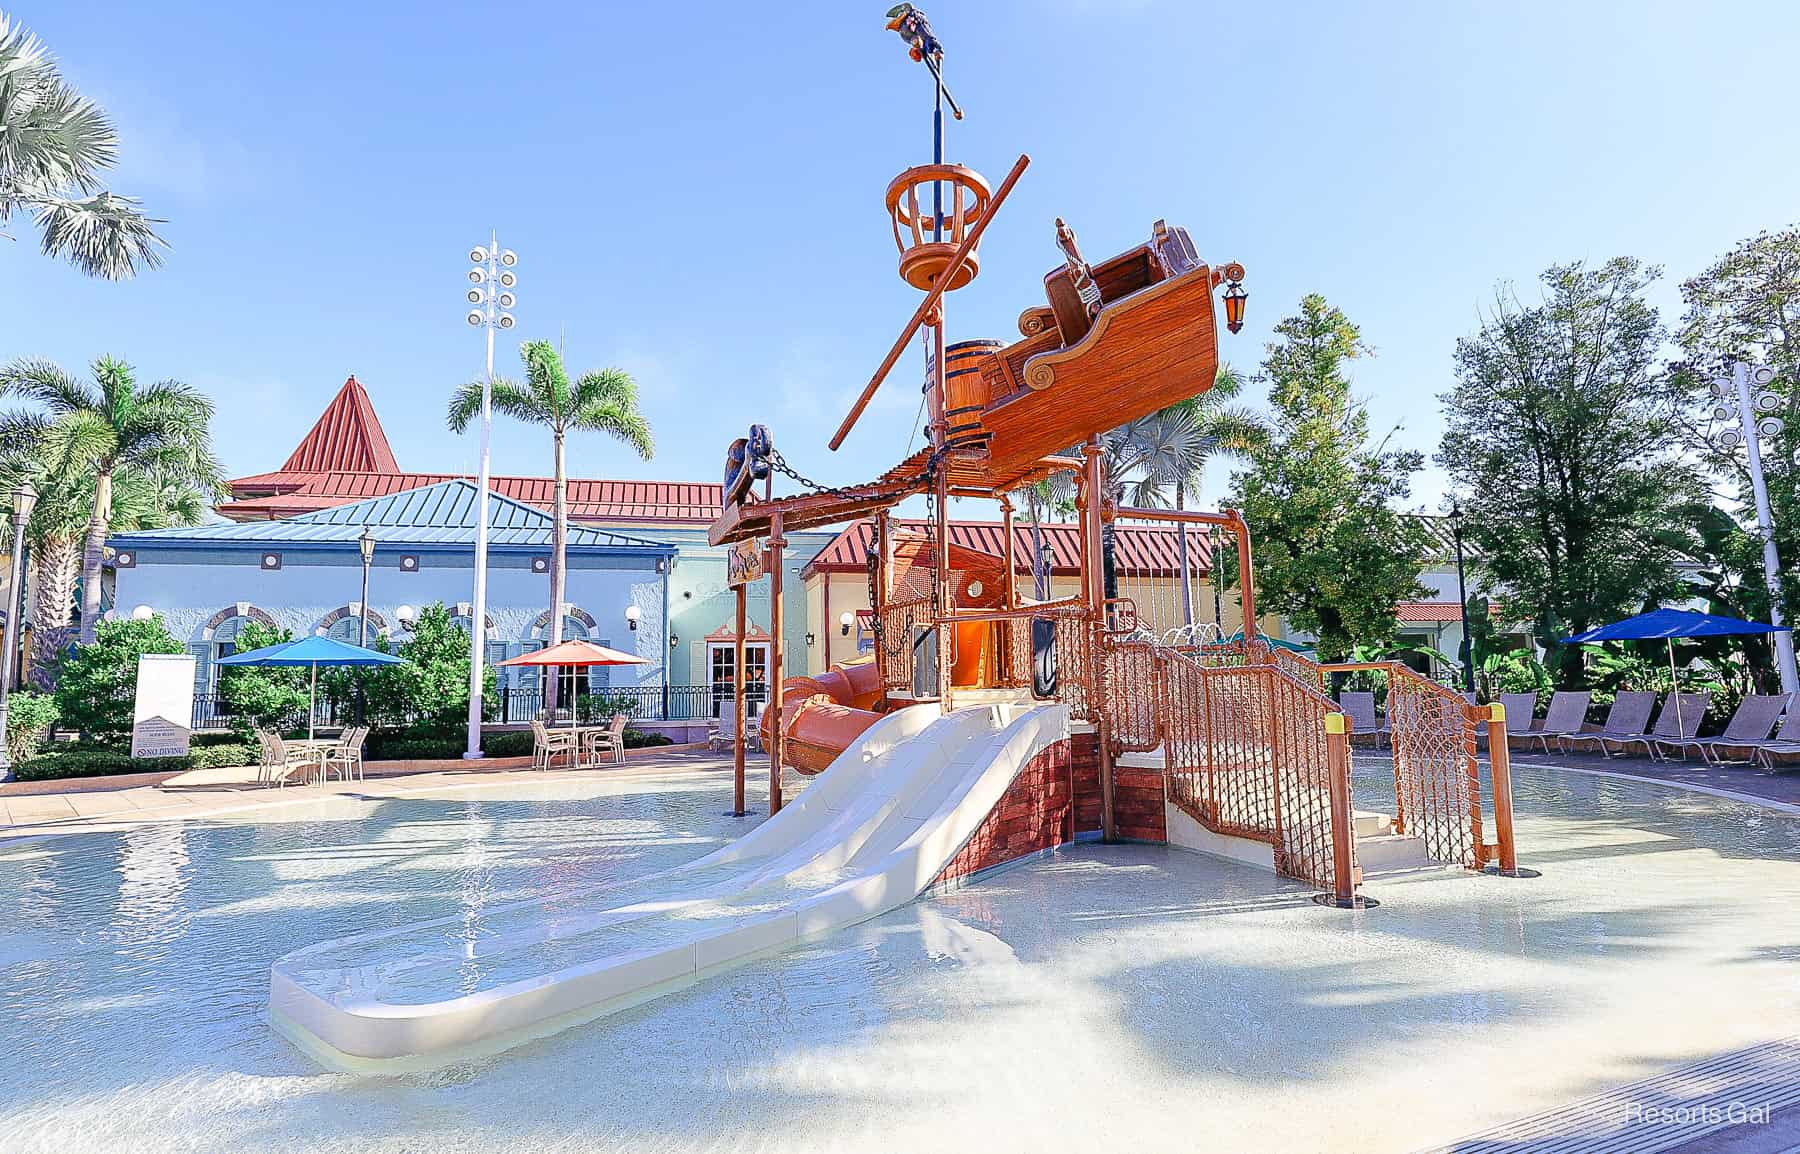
{"x":1235,"y":296}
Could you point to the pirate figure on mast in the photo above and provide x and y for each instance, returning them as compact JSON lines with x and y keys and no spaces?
{"x":915,"y":29}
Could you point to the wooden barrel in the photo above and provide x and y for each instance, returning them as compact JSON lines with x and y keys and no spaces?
{"x":966,"y":391}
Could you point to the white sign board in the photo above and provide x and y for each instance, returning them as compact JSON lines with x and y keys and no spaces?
{"x":165,"y":705}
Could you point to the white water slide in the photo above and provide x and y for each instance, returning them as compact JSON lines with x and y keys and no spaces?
{"x":869,"y":834}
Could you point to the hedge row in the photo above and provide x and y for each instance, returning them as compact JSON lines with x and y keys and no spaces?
{"x":213,"y":752}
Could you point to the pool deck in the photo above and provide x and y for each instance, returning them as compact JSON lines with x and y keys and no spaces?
{"x":94,"y":804}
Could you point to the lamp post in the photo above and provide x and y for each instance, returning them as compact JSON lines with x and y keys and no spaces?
{"x":1736,"y":399}
{"x":23,"y":498}
{"x":366,"y":545}
{"x":1464,"y":651}
{"x":492,"y":280}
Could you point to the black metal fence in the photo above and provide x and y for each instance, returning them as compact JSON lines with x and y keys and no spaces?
{"x":516,"y":706}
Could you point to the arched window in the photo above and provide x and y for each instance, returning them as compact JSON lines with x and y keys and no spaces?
{"x":219,"y":638}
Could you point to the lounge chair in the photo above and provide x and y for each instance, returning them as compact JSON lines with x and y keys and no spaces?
{"x":1785,"y":741}
{"x":608,"y":743}
{"x":1629,"y":717}
{"x":726,"y":737}
{"x":548,"y":743}
{"x":1749,"y":726}
{"x":1520,"y":710}
{"x":1679,"y":720}
{"x":345,"y":758}
{"x":1565,"y":717}
{"x":281,"y":761}
{"x":1359,"y":705}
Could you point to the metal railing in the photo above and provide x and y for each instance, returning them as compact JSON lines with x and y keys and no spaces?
{"x":512,"y":707}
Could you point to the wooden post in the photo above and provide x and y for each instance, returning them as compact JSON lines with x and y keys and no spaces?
{"x":1343,"y":820}
{"x":1009,"y":594}
{"x":826,"y":625}
{"x":879,"y":597}
{"x":737,"y":695}
{"x":1246,"y":571}
{"x":1089,"y":502}
{"x":1012,"y":577}
{"x":776,"y":542}
{"x":946,"y":598}
{"x":1500,"y":767}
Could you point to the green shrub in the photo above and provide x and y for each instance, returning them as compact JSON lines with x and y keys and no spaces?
{"x":29,"y":717}
{"x":431,"y":689}
{"x":96,"y":685}
{"x":440,"y":743}
{"x":89,"y":760}
{"x":262,"y":695}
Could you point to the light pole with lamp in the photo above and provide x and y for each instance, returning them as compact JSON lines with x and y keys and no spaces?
{"x":492,"y":280}
{"x":23,"y":498}
{"x":1465,"y":652}
{"x":1734,"y":393}
{"x":366,"y":545}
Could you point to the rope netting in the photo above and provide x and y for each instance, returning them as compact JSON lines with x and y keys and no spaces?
{"x":1437,"y":790}
{"x":1245,"y":753}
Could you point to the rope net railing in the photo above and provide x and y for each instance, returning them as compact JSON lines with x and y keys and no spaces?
{"x":1246,"y":752}
{"x":1433,"y":731}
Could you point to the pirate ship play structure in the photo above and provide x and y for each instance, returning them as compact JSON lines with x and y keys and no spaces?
{"x":989,"y":725}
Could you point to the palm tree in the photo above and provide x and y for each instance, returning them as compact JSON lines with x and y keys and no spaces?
{"x":103,"y":427}
{"x":1164,"y":455}
{"x":602,"y":402}
{"x":54,"y":146}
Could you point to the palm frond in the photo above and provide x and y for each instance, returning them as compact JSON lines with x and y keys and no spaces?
{"x":606,"y":401}
{"x":548,"y":380}
{"x":104,"y":234}
{"x":46,"y":383}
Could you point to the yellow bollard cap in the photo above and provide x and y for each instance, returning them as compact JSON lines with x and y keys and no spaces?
{"x":1499,"y":709}
{"x":1336,"y":723}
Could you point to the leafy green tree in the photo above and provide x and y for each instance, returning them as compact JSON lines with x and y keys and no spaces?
{"x":429,"y":692}
{"x":1561,"y":435}
{"x":1746,"y":307}
{"x":605,"y":401}
{"x":1333,"y":552}
{"x":55,"y":145}
{"x":106,"y":426}
{"x":263,"y":696}
{"x":96,"y":685}
{"x":29,"y":717}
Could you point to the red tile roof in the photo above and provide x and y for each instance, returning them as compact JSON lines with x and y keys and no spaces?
{"x":1141,"y":550}
{"x":345,"y":457}
{"x":347,"y":437}
{"x":687,"y":502}
{"x":1429,"y":611}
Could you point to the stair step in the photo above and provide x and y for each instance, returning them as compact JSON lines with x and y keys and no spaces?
{"x":1372,"y":824}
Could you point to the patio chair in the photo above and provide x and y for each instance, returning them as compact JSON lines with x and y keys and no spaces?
{"x":1751,"y":723}
{"x":1628,"y":717}
{"x":346,"y":756}
{"x":1567,"y":712}
{"x":1785,"y":741}
{"x":1359,"y":705}
{"x":608,"y":742}
{"x":725,"y":737}
{"x":281,"y":761}
{"x":548,"y":743}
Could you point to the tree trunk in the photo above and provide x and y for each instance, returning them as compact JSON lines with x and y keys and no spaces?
{"x":559,"y":540}
{"x":58,"y":567}
{"x":93,"y":557}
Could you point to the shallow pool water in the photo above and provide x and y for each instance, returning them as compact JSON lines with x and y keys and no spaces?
{"x":1119,"y":993}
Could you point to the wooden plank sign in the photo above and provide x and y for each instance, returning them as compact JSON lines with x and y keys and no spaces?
{"x":744,"y":563}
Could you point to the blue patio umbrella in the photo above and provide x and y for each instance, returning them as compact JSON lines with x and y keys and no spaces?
{"x":314,"y":651}
{"x":1667,"y":625}
{"x":1292,"y":646}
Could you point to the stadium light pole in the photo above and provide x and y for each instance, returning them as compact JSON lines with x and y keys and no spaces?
{"x":491,"y":281}
{"x":1755,"y":415}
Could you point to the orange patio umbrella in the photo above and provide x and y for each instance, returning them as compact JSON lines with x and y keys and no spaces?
{"x":576,"y":654}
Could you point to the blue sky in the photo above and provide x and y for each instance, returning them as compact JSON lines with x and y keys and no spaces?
{"x":695,"y":190}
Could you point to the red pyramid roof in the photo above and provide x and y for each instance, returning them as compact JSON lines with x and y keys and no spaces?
{"x":347,"y":438}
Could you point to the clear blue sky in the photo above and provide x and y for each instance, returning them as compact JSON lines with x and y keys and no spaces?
{"x":695,"y":190}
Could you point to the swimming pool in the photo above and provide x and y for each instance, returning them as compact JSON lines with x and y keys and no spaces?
{"x":1133,"y":992}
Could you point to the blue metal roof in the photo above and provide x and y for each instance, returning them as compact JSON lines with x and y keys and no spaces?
{"x":440,"y":514}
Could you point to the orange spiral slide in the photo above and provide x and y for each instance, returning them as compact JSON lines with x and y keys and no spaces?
{"x":821,"y":716}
